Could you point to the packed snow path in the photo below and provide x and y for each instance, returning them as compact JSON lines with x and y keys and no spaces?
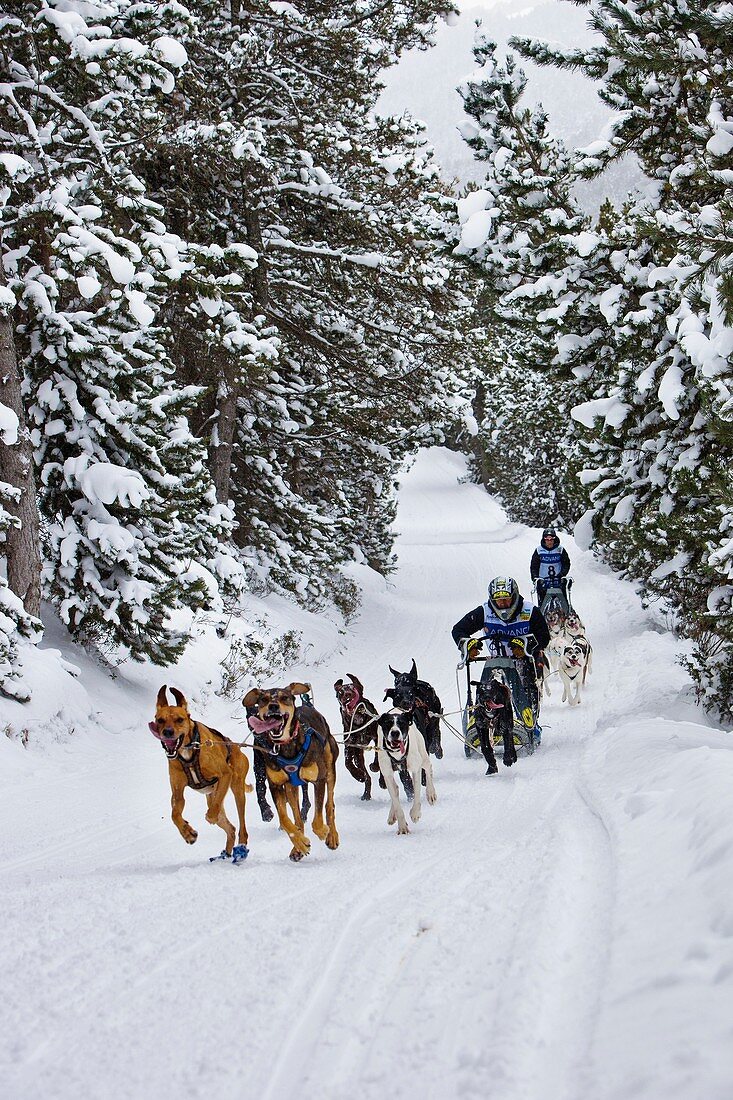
{"x":556,"y":932}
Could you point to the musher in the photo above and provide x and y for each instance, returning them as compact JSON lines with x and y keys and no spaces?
{"x":514,"y":627}
{"x":550,"y":566}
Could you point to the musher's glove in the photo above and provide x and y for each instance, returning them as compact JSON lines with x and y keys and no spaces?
{"x":518,"y":649}
{"x":473,"y":647}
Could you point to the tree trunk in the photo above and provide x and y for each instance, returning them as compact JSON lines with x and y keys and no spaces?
{"x":222,"y":443}
{"x":22,"y":546}
{"x":254,"y":240}
{"x":479,"y":450}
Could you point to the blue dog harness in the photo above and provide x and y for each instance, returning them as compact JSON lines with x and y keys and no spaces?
{"x":291,"y":765}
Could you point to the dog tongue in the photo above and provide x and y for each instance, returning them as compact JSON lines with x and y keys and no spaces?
{"x":260,"y":725}
{"x":168,"y":742}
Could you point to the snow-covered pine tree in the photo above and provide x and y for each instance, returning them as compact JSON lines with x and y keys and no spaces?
{"x":521,"y":229}
{"x":663,"y":512}
{"x":287,"y":158}
{"x":130,"y":514}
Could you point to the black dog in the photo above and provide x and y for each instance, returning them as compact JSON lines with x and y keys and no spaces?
{"x":358,"y":717}
{"x":419,"y":699}
{"x":493,"y":713}
{"x":260,"y":752}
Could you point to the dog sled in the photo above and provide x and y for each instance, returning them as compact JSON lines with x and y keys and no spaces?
{"x":514,"y":674}
{"x":557,"y":602}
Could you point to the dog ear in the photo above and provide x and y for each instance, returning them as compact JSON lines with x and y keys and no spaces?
{"x":389,"y":694}
{"x":298,"y":688}
{"x":393,"y":671}
{"x":180,"y":698}
{"x":250,"y":699}
{"x":413,"y":670}
{"x":356,"y":682}
{"x":338,"y":684}
{"x":162,"y":700}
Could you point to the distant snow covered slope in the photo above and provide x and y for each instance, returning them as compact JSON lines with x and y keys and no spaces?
{"x":425,"y":82}
{"x":560,"y":931}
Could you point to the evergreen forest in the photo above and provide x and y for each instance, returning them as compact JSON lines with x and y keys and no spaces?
{"x":234,"y":301}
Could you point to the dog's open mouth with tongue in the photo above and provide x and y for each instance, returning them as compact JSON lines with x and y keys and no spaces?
{"x":170,"y":741}
{"x":270,"y":725}
{"x":396,"y":744}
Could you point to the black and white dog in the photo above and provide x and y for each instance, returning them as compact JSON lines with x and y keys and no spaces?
{"x":419,"y":699}
{"x":399,"y":743}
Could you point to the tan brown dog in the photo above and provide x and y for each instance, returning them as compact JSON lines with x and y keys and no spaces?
{"x":203,"y":759}
{"x":301,"y":749}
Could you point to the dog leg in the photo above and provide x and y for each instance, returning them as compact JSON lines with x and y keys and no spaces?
{"x":301,"y":843}
{"x":406,"y":780}
{"x":319,"y":827}
{"x":292,"y":795}
{"x":395,"y":810}
{"x":332,"y":837}
{"x":435,"y":737}
{"x":215,"y":799}
{"x":416,"y":808}
{"x":261,"y":786}
{"x":240,"y":796}
{"x":354,"y":758}
{"x":188,"y":833}
{"x":507,"y":736}
{"x":486,"y":740}
{"x":430,"y":791}
{"x":305,"y":809}
{"x":221,"y":819}
{"x":374,"y":766}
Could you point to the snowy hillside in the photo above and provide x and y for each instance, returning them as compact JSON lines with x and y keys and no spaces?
{"x":557,"y":932}
{"x":425,"y":84}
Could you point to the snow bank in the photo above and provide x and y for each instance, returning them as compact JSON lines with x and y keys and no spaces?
{"x":662,"y":791}
{"x":562,"y":929}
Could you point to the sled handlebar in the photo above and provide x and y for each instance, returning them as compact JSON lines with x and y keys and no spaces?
{"x":508,"y":662}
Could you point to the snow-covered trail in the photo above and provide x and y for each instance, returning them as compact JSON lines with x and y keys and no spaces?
{"x":507,"y":948}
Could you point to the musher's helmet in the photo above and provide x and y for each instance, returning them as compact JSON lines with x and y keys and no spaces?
{"x":504,"y":598}
{"x":550,"y":533}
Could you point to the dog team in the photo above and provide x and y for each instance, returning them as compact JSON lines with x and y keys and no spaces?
{"x":293,"y":746}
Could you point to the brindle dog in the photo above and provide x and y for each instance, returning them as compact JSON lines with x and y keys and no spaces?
{"x":301,"y":749}
{"x":357,"y":712}
{"x":261,"y":748}
{"x":419,"y":699}
{"x":203,"y":759}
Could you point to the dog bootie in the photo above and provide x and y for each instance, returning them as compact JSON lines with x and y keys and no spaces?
{"x":223,"y":854}
{"x":239,"y":853}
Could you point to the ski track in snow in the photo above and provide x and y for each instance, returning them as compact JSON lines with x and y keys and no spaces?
{"x":470,"y":958}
